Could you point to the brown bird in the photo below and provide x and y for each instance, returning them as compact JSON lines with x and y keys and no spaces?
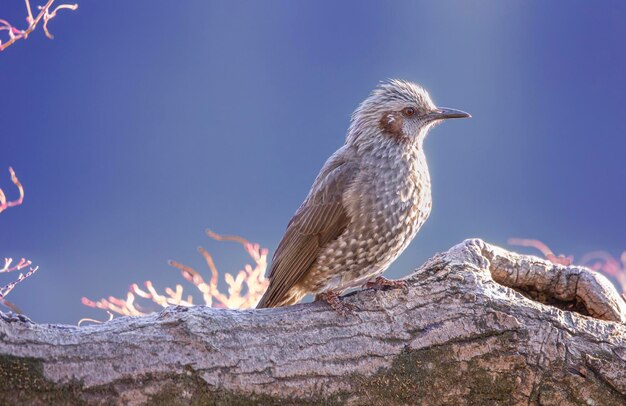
{"x":365,"y":206}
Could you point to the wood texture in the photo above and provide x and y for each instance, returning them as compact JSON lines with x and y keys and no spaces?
{"x":457,"y":336}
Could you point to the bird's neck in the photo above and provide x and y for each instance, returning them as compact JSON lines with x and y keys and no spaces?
{"x":395,"y":178}
{"x":401,"y":156}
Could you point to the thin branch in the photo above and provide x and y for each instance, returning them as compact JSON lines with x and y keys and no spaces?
{"x":88,"y":320}
{"x":6,"y":289}
{"x":547,"y":252}
{"x":244,"y":289}
{"x":23,"y":263}
{"x":220,"y":237}
{"x":4,"y":204}
{"x":45,"y":14}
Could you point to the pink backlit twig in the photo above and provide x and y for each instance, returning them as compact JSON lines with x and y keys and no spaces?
{"x":4,"y":203}
{"x":548,"y":254}
{"x":244,"y":289}
{"x":22,"y":263}
{"x":45,"y":14}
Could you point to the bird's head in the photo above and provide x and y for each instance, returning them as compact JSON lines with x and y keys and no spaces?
{"x":398,"y":111}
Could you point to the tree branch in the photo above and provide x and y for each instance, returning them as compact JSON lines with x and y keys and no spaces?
{"x":458,"y":336}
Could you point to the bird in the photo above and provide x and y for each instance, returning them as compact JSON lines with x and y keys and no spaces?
{"x":366,"y":204}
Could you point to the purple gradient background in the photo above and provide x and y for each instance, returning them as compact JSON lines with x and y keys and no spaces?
{"x":142,"y":123}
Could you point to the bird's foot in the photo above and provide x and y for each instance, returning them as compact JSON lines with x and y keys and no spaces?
{"x":381,"y":283}
{"x":333,"y":299}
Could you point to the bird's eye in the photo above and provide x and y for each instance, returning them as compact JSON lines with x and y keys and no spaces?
{"x":408,"y":111}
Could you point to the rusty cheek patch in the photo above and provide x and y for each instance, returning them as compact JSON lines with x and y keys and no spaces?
{"x":391,"y":124}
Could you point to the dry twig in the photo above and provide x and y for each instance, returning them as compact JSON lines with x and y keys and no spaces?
{"x":244,"y":289}
{"x":4,"y":203}
{"x":46,"y":13}
{"x":547,"y":252}
{"x":23,"y":263}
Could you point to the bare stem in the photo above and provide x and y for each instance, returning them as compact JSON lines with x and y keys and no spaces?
{"x":44,"y":14}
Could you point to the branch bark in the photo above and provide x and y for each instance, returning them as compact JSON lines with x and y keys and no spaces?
{"x":471,"y":329}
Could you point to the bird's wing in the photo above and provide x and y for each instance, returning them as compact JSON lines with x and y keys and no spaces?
{"x":319,"y":220}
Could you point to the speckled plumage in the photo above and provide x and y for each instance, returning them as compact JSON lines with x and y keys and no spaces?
{"x":368,"y":202}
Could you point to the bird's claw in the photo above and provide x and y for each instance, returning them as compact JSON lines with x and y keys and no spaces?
{"x":381,"y":283}
{"x":333,"y":299}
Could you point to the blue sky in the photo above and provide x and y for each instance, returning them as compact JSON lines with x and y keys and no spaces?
{"x":143,"y":123}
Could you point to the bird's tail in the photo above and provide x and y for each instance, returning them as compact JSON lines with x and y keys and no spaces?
{"x":263,"y":303}
{"x":271,"y":299}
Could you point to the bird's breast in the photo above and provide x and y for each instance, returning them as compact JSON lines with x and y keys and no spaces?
{"x":387,"y":206}
{"x":399,"y":201}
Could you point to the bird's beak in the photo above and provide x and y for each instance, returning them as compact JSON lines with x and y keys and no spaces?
{"x":444,"y":113}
